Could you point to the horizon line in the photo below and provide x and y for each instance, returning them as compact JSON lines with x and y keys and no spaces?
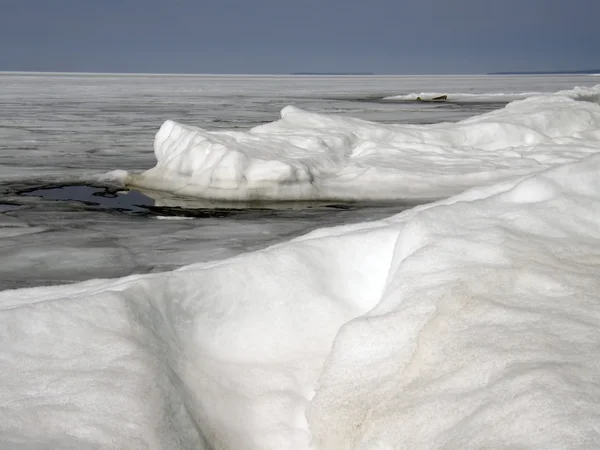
{"x":191,"y":74}
{"x":295,"y":74}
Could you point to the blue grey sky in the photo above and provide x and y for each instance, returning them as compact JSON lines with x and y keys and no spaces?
{"x":282,"y":36}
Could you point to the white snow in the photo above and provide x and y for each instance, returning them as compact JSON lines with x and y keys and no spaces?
{"x":467,"y":323}
{"x":486,"y":333}
{"x":308,"y":156}
{"x":471,"y":322}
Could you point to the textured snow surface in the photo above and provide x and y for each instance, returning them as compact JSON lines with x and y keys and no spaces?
{"x":467,"y":323}
{"x":471,"y":322}
{"x":308,"y":156}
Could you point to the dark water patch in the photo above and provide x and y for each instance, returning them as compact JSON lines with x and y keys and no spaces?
{"x":102,"y":197}
{"x":146,"y":203}
{"x":213,"y":213}
{"x":338,"y":206}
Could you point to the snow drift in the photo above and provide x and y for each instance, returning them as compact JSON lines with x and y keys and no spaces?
{"x":467,"y":323}
{"x":307,"y":156}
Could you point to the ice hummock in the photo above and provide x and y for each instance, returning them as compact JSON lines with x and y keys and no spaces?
{"x":308,"y":156}
{"x":467,"y":323}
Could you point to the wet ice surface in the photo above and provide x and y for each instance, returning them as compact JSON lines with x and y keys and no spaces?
{"x":62,"y":234}
{"x":58,"y":131}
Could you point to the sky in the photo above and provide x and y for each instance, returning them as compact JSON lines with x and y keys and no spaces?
{"x":282,"y":36}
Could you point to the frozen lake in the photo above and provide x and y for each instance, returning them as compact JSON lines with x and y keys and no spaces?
{"x":58,"y":131}
{"x":469,"y":322}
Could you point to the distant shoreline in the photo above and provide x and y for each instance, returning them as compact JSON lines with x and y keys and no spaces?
{"x":332,"y":73}
{"x":556,"y":72}
{"x":294,"y":74}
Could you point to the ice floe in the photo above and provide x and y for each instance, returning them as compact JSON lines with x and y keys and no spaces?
{"x":309,"y":156}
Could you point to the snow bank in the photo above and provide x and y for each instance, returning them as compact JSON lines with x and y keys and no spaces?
{"x":226,"y":352}
{"x":486,"y":333}
{"x":307,"y":156}
{"x":468,"y":323}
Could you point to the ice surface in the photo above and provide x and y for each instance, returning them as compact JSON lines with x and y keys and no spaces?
{"x":468,"y":323}
{"x":75,"y":125}
{"x":49,"y":242}
{"x":67,"y":128}
{"x":307,"y":156}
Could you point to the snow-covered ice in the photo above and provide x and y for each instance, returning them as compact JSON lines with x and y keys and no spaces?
{"x":467,"y":323}
{"x":471,"y":322}
{"x":308,"y":156}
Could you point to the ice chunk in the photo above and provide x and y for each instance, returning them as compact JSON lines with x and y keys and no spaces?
{"x":307,"y":156}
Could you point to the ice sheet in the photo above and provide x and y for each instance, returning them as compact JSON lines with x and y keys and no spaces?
{"x":309,"y":156}
{"x":468,"y":323}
